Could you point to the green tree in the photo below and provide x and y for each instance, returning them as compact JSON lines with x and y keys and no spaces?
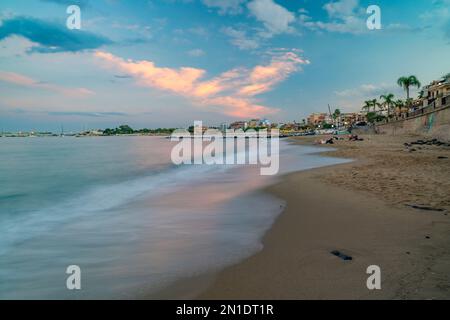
{"x":337,"y":113}
{"x":407,"y":82}
{"x":326,"y":126}
{"x":336,"y":116}
{"x":447,"y":76}
{"x":421,"y":94}
{"x":367,"y":106}
{"x":125,"y":129}
{"x":374,"y":104}
{"x":388,"y":101}
{"x":399,"y":104}
{"x":374,"y":117}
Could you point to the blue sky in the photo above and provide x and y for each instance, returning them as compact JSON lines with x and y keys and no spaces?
{"x":170,"y":62}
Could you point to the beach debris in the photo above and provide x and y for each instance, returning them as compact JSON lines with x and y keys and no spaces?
{"x":425,"y":208}
{"x":354,"y":137}
{"x":442,"y":157}
{"x":326,"y":141}
{"x":341,"y":255}
{"x":427,"y":237}
{"x":432,"y":142}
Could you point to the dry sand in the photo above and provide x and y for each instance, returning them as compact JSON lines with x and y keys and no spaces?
{"x":359,"y":209}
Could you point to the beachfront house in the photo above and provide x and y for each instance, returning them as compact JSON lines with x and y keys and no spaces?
{"x":350,"y":118}
{"x":243,"y":125}
{"x":438,"y":92}
{"x":316,"y":119}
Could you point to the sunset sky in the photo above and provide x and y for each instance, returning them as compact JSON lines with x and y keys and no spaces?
{"x":167,"y":63}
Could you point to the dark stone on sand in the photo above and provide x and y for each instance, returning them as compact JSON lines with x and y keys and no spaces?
{"x":441,"y":157}
{"x":341,"y":255}
{"x":425,"y":208}
{"x":427,"y":237}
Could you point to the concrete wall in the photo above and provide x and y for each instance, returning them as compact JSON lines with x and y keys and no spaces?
{"x":434,"y":124}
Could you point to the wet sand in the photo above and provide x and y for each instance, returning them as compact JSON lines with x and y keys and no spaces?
{"x":361,"y":210}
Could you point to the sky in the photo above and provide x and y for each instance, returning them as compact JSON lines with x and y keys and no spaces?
{"x":168,"y":63}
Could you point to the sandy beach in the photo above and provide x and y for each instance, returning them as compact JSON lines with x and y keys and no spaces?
{"x":364,"y":209}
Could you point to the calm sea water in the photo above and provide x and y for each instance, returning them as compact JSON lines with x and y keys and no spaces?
{"x":118,"y":208}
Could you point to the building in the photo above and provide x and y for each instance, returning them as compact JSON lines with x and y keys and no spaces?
{"x":243,"y":125}
{"x":316,"y":119}
{"x":265,"y":123}
{"x":254,"y":123}
{"x":438,"y":92}
{"x":350,"y":118}
{"x":291,"y":126}
{"x":223,"y":127}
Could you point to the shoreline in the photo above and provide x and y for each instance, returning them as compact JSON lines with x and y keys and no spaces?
{"x":323,"y":215}
{"x":191,"y":286}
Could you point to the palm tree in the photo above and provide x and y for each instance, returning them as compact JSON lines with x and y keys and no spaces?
{"x":399,"y":104}
{"x":421,"y":94}
{"x":447,"y":77}
{"x":374,"y":103}
{"x":336,"y":116}
{"x":388,"y":101}
{"x":367,"y":106}
{"x":407,"y":82}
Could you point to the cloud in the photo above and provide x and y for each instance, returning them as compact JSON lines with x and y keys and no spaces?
{"x":240,"y":39}
{"x":367,"y":90}
{"x":345,"y":16}
{"x":438,"y":16}
{"x":353,"y":99}
{"x":341,"y":8}
{"x":24,"y":81}
{"x":275,"y":18}
{"x":225,"y":6}
{"x":196,"y":53}
{"x":119,"y":76}
{"x":50,"y":37}
{"x":232,"y":92}
{"x":447,"y":31}
{"x":87,"y":114}
{"x":80,"y":3}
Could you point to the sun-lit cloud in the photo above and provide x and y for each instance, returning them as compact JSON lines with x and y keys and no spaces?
{"x":232,"y":91}
{"x":25,"y":81}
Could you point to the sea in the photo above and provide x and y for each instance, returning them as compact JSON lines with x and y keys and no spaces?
{"x":131,"y":220}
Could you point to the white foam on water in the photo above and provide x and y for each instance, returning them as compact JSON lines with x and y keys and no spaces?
{"x":140,"y":235}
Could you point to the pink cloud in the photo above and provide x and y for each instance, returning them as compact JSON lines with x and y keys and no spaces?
{"x":24,"y":81}
{"x":233,"y":91}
